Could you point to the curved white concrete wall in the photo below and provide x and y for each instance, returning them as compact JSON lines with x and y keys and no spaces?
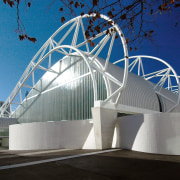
{"x":152,"y":133}
{"x":52,"y":135}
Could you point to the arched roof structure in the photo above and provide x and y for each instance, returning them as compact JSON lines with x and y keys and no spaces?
{"x":162,"y":77}
{"x":65,"y":44}
{"x":70,"y":41}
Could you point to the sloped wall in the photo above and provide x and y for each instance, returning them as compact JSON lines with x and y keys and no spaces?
{"x":152,"y":133}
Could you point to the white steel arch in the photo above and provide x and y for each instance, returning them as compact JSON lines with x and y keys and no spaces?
{"x":59,"y":43}
{"x":164,"y":76}
{"x":32,"y":68}
{"x":173,"y":88}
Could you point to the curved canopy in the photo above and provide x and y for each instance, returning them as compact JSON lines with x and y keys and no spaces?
{"x":70,"y":38}
{"x":162,"y":76}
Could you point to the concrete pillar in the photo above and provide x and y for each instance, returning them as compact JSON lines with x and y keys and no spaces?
{"x":104,"y":120}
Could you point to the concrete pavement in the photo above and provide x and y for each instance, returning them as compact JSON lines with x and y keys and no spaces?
{"x":119,"y":164}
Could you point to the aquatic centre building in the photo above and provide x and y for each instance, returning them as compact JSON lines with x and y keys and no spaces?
{"x":85,"y":99}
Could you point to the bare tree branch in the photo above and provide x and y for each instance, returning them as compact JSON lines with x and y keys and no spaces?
{"x":132,"y":16}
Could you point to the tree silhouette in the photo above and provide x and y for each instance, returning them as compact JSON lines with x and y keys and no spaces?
{"x":21,"y":31}
{"x":132,"y":16}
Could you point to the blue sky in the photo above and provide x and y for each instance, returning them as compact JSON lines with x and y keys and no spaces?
{"x":41,"y":22}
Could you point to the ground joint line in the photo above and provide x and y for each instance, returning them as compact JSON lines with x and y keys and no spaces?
{"x":54,"y":159}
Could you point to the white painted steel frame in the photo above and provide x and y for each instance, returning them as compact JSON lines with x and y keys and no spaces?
{"x":164,"y":75}
{"x":174,"y":88}
{"x":60,"y":46}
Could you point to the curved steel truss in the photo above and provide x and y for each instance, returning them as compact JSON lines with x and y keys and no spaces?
{"x":70,"y":38}
{"x":162,"y":76}
{"x":173,"y":88}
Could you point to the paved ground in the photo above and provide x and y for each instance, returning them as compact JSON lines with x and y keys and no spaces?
{"x":117,"y":165}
